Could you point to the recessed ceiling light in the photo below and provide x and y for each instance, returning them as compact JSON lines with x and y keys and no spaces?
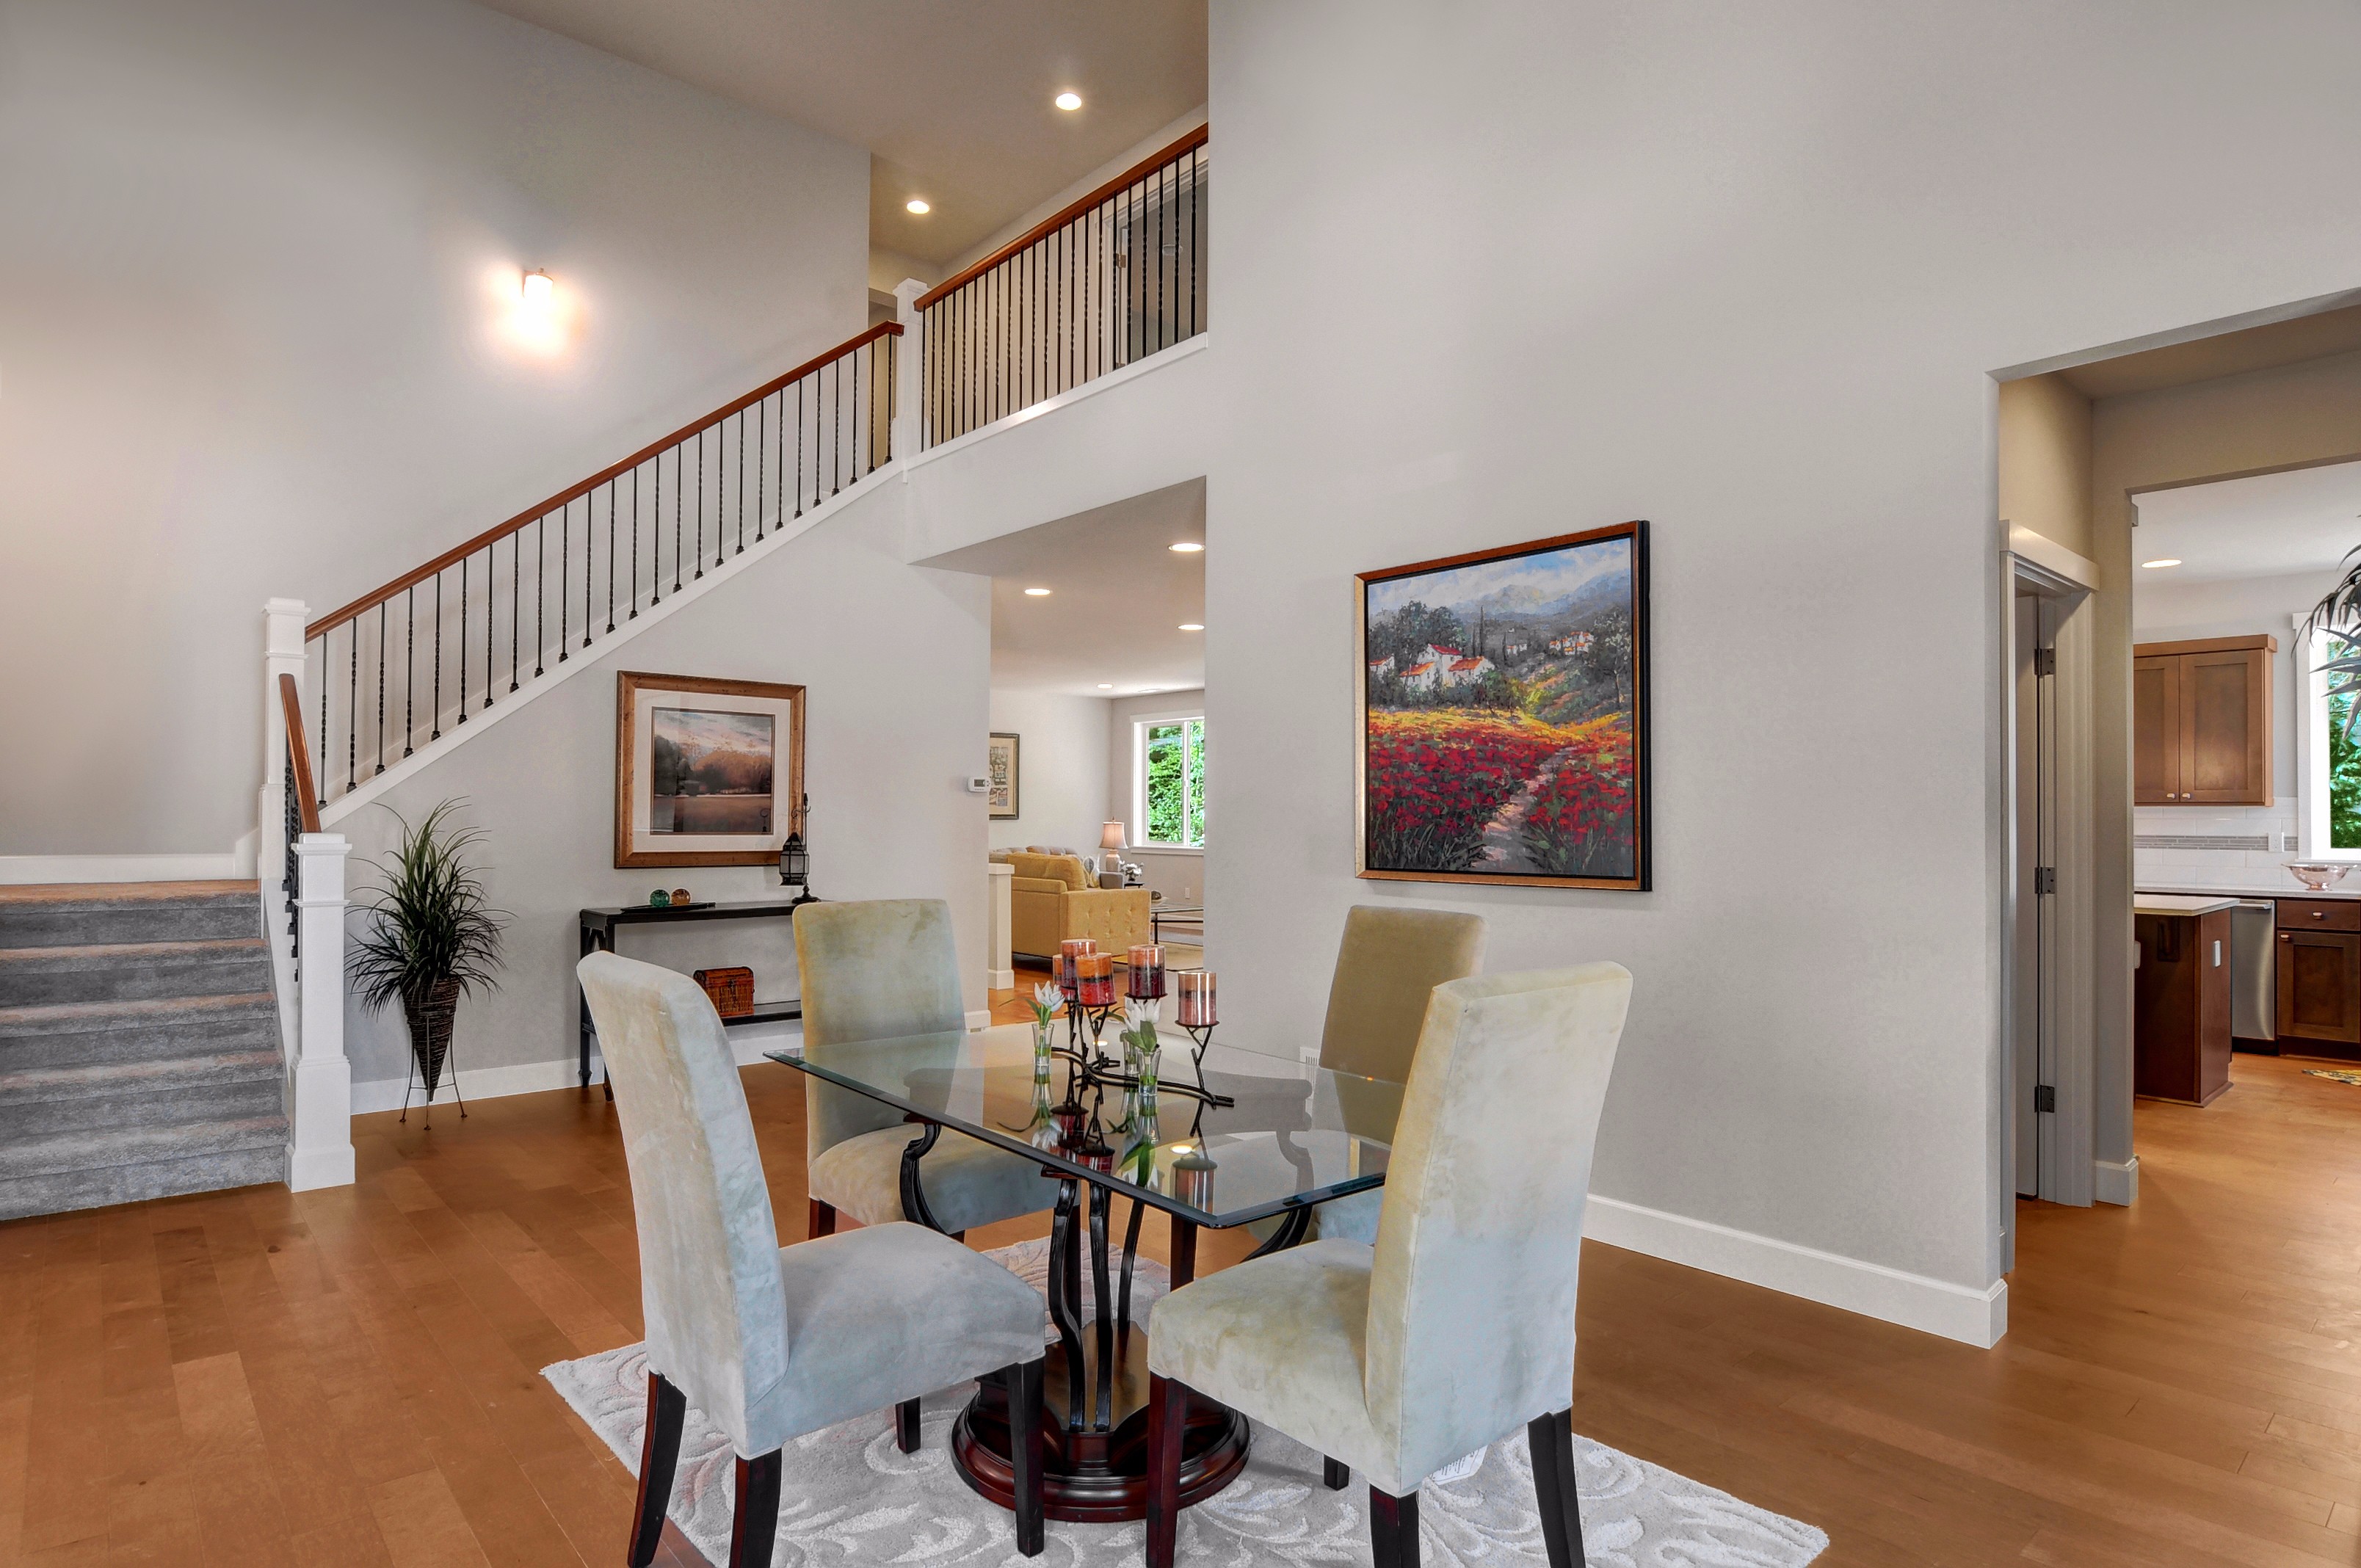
{"x":1037,"y":593}
{"x":1068,"y":101}
{"x":537,"y":287}
{"x":919,"y":205}
{"x":1191,"y":625}
{"x":1186,"y":547}
{"x":1106,"y":686}
{"x":2167,"y":561}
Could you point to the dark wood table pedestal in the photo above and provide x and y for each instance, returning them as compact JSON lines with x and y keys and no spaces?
{"x":1095,"y":1424}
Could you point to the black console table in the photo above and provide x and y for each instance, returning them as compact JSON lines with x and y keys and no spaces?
{"x":598,"y":931}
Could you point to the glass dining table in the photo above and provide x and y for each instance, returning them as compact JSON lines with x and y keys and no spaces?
{"x":1228,"y":1137}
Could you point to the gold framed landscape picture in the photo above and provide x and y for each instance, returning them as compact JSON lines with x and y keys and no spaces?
{"x":708,"y":772}
{"x":1504,"y":715}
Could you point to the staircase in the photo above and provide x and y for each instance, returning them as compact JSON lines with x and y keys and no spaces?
{"x":140,"y":1048}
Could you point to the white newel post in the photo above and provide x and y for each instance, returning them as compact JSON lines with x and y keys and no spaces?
{"x":1000,"y":883}
{"x":909,"y":410}
{"x":320,"y":1131}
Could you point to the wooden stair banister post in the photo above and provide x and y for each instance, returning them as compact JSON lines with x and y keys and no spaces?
{"x":909,"y":371}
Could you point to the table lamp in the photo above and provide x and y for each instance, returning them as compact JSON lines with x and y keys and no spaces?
{"x":1110,"y":841}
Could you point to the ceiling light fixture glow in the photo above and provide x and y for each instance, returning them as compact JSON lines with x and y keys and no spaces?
{"x":1068,"y":101}
{"x":1191,"y":625}
{"x":1037,"y":593}
{"x":537,"y":287}
{"x":2167,"y":561}
{"x":1106,"y":686}
{"x":919,"y":205}
{"x":1186,"y":547}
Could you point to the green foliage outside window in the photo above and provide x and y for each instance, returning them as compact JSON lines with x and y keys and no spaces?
{"x":1176,"y":783}
{"x":2344,"y":777}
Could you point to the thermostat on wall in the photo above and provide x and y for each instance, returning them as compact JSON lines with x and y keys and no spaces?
{"x":978,"y":785}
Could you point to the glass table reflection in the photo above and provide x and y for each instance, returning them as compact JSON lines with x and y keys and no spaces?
{"x":1221,"y":1140}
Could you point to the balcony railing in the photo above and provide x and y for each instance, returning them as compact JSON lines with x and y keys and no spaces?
{"x":1107,"y":281}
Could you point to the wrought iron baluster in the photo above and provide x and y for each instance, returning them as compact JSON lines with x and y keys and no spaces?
{"x":540,"y":596}
{"x":635,"y":543}
{"x":762,"y":445}
{"x":836,"y":439}
{"x":655,"y":542}
{"x":564,"y":569}
{"x":463,"y":639}
{"x":492,"y":610}
{"x":516,"y":598}
{"x":352,"y":702}
{"x":437,"y":735}
{"x":610,"y":560}
{"x":380,"y":686}
{"x":409,"y":665}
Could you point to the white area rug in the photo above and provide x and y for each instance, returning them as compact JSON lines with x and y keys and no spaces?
{"x":848,"y":1495}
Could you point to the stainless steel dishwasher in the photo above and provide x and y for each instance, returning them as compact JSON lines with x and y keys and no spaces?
{"x":2254,"y":969}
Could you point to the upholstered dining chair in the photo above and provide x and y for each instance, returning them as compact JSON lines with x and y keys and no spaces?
{"x":769,"y":1342}
{"x":878,"y":970}
{"x":1458,"y":1326}
{"x":1388,"y":963}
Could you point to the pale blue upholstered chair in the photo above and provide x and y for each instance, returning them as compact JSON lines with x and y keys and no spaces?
{"x":771,"y":1341}
{"x":1389,"y":960}
{"x":1457,"y":1327}
{"x":878,"y":970}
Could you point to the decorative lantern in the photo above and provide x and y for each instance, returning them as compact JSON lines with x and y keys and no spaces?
{"x":794,"y":862}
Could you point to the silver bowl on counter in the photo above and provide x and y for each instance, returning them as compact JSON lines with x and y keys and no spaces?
{"x":2319,"y":878}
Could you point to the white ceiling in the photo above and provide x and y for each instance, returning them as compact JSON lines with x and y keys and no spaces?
{"x":2267,"y":525}
{"x":951,"y":98}
{"x":1119,"y":596}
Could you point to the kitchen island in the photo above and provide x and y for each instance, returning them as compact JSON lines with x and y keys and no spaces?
{"x":2180,"y":1032}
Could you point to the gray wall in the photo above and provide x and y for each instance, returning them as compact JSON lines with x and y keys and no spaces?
{"x":254,"y":272}
{"x":893,"y":727}
{"x":1745,"y":272}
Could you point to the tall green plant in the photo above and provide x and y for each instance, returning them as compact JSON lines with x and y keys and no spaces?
{"x":433,"y":923}
{"x":2338,"y":615}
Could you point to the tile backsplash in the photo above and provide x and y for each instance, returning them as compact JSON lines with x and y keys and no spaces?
{"x":2235,"y":846}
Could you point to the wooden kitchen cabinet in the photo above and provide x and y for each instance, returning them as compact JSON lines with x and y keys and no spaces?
{"x":2202,"y":721}
{"x":2181,"y":1035}
{"x":2319,"y":985}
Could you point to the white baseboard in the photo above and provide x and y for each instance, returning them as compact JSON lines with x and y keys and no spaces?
{"x":2115,"y":1182}
{"x":475,"y":1083}
{"x":1933,"y":1306}
{"x":310,"y":1170}
{"x":1000,"y":978}
{"x":981,"y":1020}
{"x":26,"y":870}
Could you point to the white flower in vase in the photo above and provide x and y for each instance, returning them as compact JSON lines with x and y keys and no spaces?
{"x":1046,"y":1000}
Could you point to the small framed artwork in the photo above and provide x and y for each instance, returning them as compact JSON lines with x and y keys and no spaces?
{"x":1504,"y":715}
{"x":708,"y":772}
{"x":1000,"y":763}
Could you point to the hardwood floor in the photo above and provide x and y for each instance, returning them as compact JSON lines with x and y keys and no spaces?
{"x":352,"y":1377}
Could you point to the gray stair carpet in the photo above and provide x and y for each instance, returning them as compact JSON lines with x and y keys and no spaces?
{"x":139,"y":1048}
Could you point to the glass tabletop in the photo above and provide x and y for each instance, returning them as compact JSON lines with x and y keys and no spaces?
{"x":1276,"y":1135}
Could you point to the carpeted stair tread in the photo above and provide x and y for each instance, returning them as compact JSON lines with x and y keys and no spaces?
{"x":133,"y":970}
{"x":141,"y":1180}
{"x":171,"y":1074}
{"x":71,"y":915}
{"x":52,"y":1017}
{"x":93,"y":1150}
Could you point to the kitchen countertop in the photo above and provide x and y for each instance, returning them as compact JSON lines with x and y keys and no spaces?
{"x":2349,"y":888}
{"x":2181,"y":903}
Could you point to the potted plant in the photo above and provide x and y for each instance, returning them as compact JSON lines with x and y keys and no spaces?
{"x":434,"y":939}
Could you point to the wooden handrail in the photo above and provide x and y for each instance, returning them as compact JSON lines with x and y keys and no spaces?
{"x":1066,"y":214}
{"x":452,"y":557}
{"x":291,"y":703}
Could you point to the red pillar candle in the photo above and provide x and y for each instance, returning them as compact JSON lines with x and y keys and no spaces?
{"x":1062,"y":966}
{"x":1143,"y":966}
{"x":1095,"y":973}
{"x":1196,"y":998}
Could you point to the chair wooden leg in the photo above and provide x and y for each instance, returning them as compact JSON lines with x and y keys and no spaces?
{"x":906,"y":1426}
{"x":1168,"y":1412}
{"x":1334,"y":1474}
{"x":1024,"y":1452}
{"x":1551,"y":1438}
{"x":822,"y":1222}
{"x":659,"y":1457}
{"x":754,"y":1523}
{"x":1394,"y":1530}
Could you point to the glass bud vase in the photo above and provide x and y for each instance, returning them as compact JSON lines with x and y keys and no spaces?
{"x":1150,"y":1061}
{"x":1040,"y":1052}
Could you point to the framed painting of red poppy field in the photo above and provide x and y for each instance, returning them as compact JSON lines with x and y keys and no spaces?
{"x":1504,"y":715}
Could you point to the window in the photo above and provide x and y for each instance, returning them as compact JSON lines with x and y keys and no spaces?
{"x":2329,"y":768}
{"x":1170,"y":807}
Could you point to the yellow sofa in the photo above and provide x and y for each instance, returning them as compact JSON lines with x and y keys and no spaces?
{"x":1052,"y":898}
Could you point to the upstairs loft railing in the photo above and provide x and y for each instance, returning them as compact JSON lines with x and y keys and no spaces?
{"x":397,"y":667}
{"x":302,"y":806}
{"x":1110,"y":280}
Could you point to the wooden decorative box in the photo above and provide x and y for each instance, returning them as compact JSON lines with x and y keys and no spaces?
{"x":732,"y":990}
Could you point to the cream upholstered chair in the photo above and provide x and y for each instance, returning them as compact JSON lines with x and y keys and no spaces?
{"x":771,"y":1341}
{"x":878,"y":970}
{"x":1457,"y":1327}
{"x":1389,"y":960}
